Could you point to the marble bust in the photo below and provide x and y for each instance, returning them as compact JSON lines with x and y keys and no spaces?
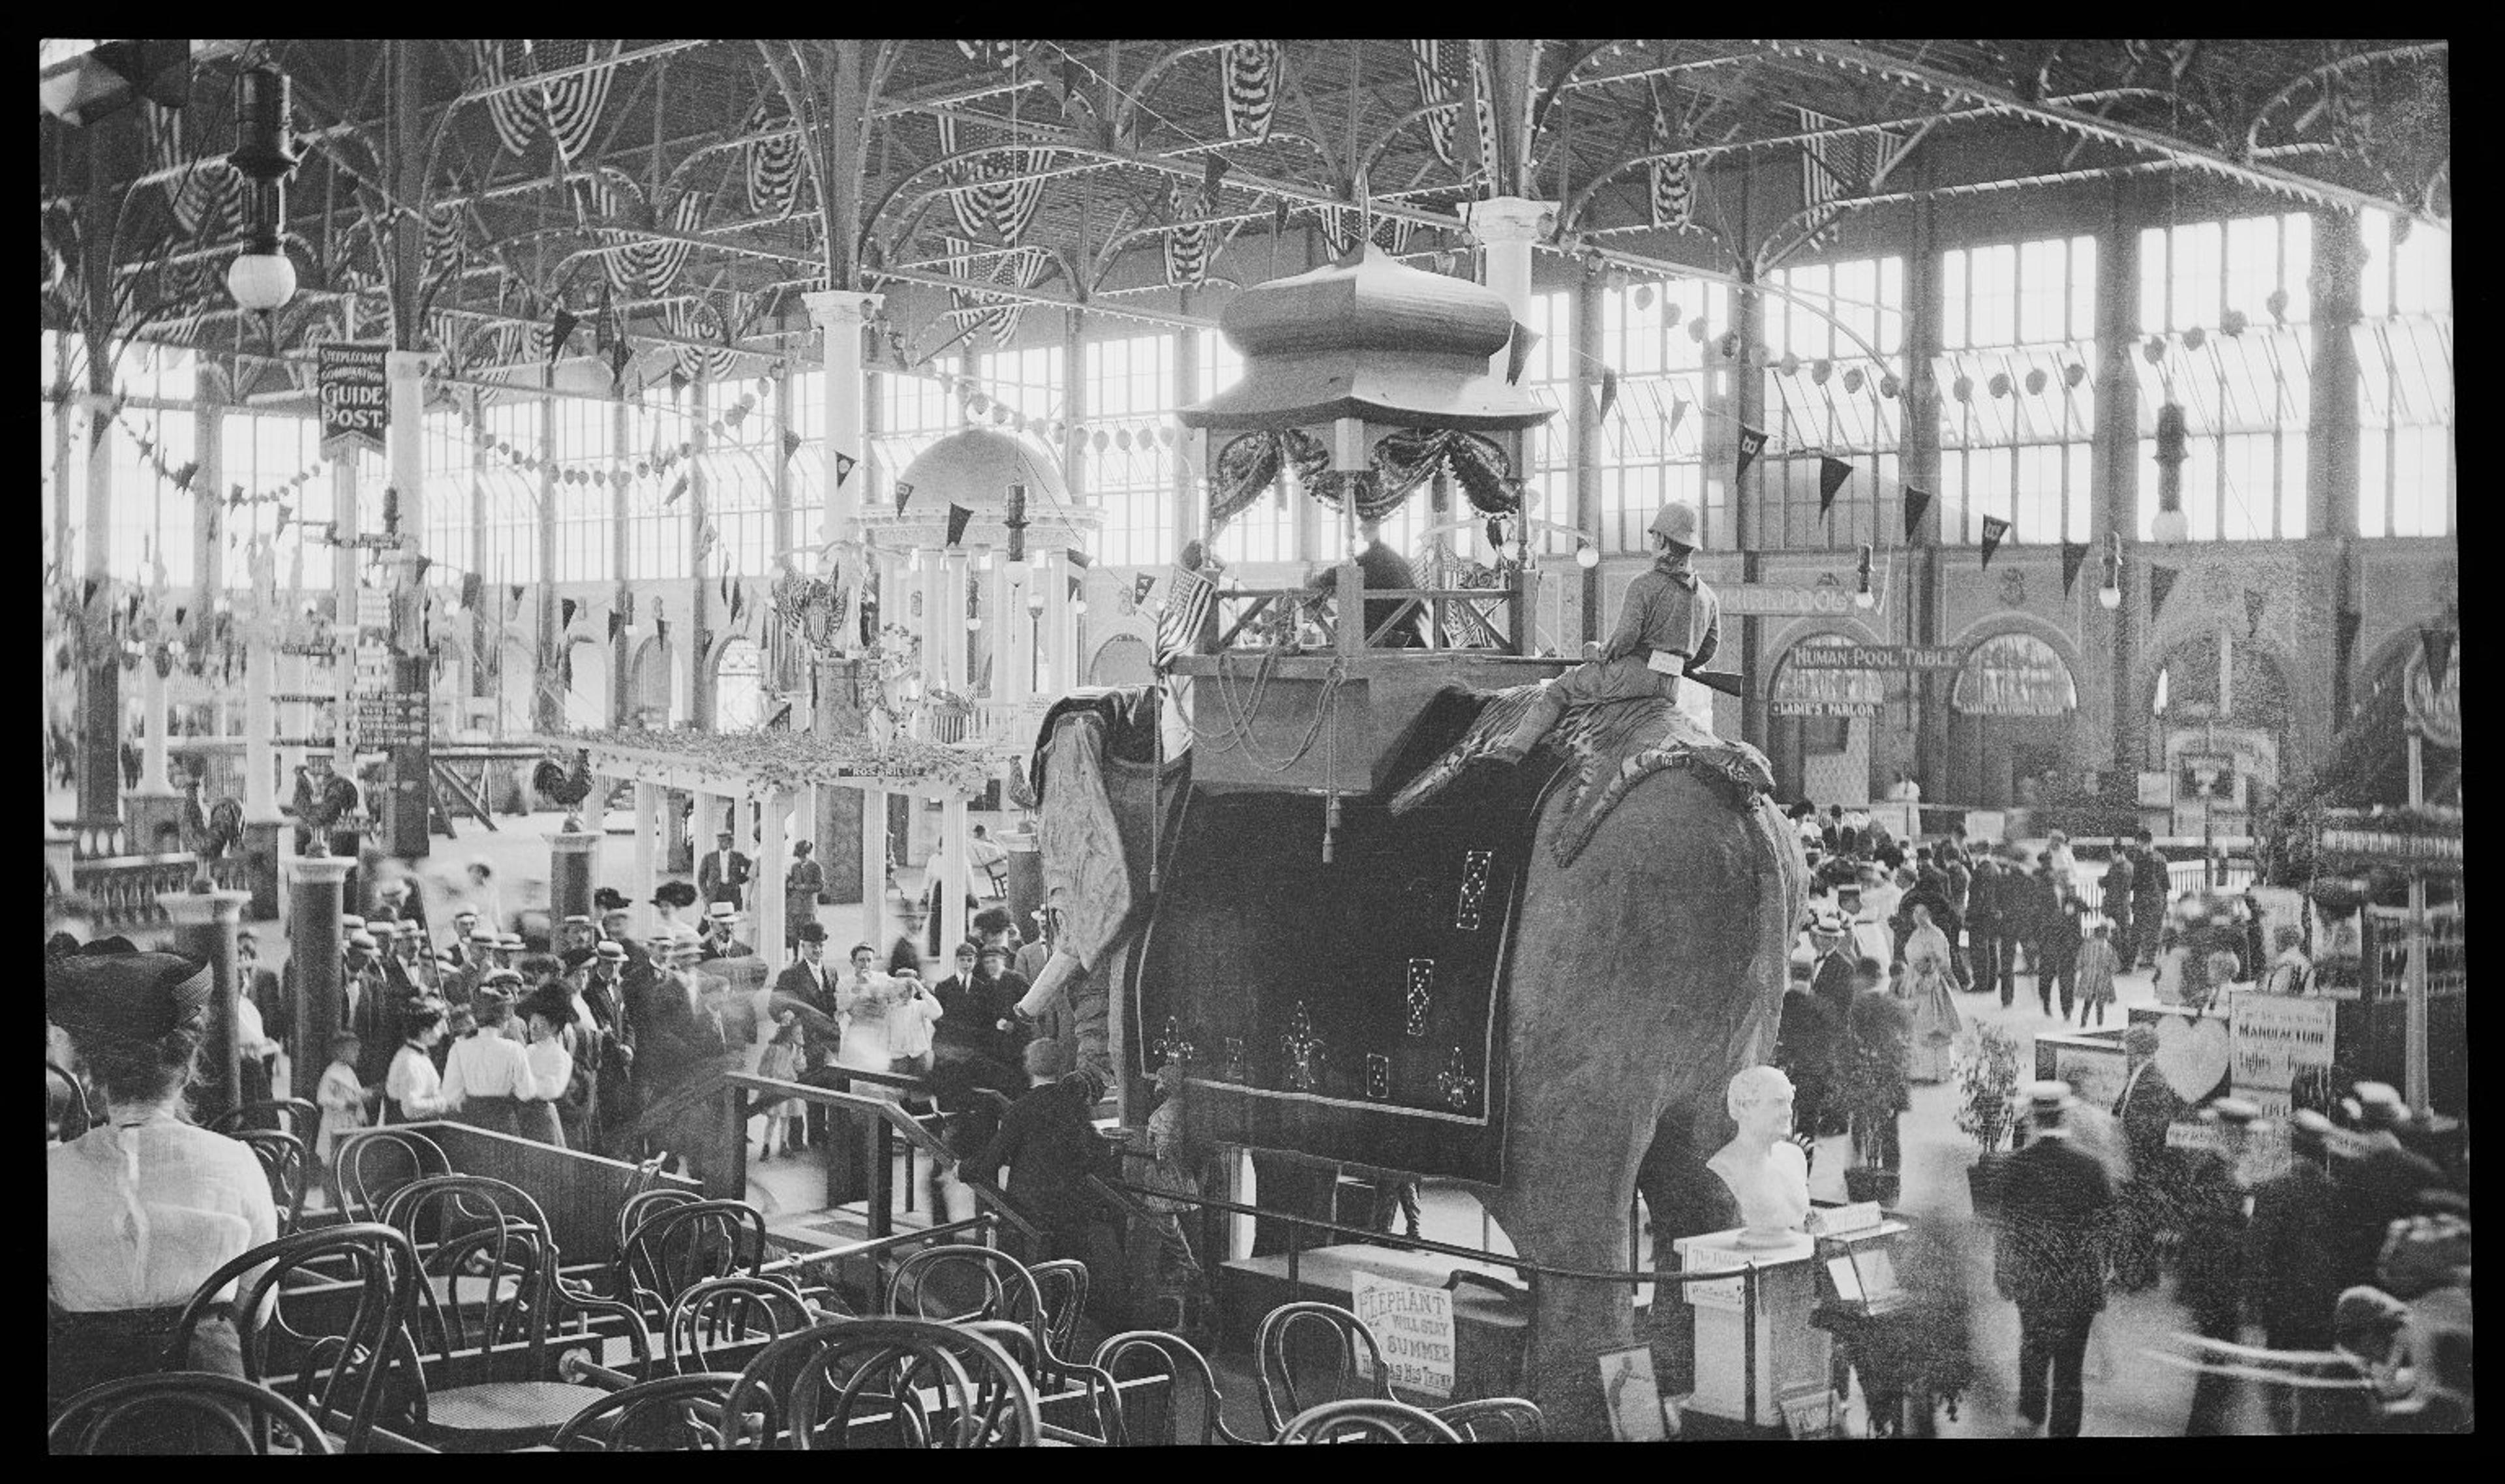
{"x":1767,"y":1173}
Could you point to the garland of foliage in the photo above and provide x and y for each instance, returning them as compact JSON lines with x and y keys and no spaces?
{"x":788,"y":761}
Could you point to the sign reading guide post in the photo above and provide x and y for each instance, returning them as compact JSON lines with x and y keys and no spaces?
{"x":1414,"y":1327}
{"x":356,"y":403}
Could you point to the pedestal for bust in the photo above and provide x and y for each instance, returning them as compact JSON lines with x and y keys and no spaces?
{"x":1791,"y":1357}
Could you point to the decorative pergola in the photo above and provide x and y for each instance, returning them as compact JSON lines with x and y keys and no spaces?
{"x":783,"y":771}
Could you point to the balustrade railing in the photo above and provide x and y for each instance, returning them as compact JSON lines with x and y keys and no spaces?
{"x":125,"y":888}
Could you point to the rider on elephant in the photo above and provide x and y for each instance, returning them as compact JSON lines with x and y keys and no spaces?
{"x":1668,"y":626}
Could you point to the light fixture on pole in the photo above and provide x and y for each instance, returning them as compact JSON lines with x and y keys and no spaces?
{"x":1862,"y":598}
{"x":2110,"y":596}
{"x":262,"y":277}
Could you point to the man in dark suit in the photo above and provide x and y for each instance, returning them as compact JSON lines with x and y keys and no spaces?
{"x":807,"y":989}
{"x":368,"y":1009}
{"x":720,"y":940}
{"x":2145,"y":1108}
{"x":2054,"y":1199}
{"x":1992,"y":955}
{"x":2151,"y":889}
{"x":1383,"y":570}
{"x":1807,"y":1041}
{"x":723,"y":874}
{"x":1051,"y":1147}
{"x":2292,"y":1280}
{"x":1831,"y":834}
{"x":2209,"y":1273}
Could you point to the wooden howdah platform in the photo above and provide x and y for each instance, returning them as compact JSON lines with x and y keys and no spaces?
{"x":1251,"y":712}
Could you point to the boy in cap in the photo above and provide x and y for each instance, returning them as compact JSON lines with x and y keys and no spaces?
{"x":1668,"y":623}
{"x":2048,"y":1260}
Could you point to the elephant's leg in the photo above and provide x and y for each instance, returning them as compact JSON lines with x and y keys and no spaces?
{"x":1583,"y":1132}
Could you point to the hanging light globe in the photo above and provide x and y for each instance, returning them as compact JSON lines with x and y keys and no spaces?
{"x":263,"y":279}
{"x":1587,"y":555}
{"x":2169,"y":528}
{"x":2109,"y":598}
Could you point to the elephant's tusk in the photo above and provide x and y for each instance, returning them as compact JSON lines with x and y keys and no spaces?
{"x":1052,"y":981}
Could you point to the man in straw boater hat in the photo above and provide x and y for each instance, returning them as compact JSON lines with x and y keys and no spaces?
{"x":720,"y":940}
{"x":2048,"y":1259}
{"x":1668,"y":625}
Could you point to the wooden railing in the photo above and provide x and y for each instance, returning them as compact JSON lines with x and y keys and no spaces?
{"x":1485,"y":618}
{"x":125,"y":888}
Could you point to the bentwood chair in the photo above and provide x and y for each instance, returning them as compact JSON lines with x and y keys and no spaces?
{"x":493,"y":1315}
{"x":374,"y":1162}
{"x":1495,"y":1420}
{"x":1366,"y":1419}
{"x":322,"y":1322}
{"x":885,"y":1383}
{"x":183,"y":1412}
{"x":1191,"y":1411}
{"x":735,"y":1310}
{"x":958,"y":1282}
{"x":66,"y":1112}
{"x":680,"y":1245}
{"x":668,"y":1414}
{"x":1311,"y":1352}
{"x":282,"y":1158}
{"x":288,"y":1116}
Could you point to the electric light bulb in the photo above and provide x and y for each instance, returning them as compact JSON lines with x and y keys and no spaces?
{"x":1587,"y":556}
{"x":1865,"y":599}
{"x":1078,"y":605}
{"x":2169,"y":527}
{"x":2109,"y":597}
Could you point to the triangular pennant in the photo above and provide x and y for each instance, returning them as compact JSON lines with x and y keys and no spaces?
{"x":1678,"y":412}
{"x":958,"y":516}
{"x":1917,"y":504}
{"x":844,"y":463}
{"x":2437,"y":645}
{"x":618,"y":356}
{"x":1213,"y":170}
{"x":617,"y":624}
{"x":1518,"y":351}
{"x":738,"y":600}
{"x":678,"y":382}
{"x":790,"y":442}
{"x":560,"y":331}
{"x":2161,"y":583}
{"x":1752,"y":442}
{"x":677,"y":489}
{"x":1831,"y":475}
{"x":903,"y":492}
{"x":1077,"y":559}
{"x":1994,"y":530}
{"x":1608,"y":392}
{"x":662,"y":631}
{"x":1139,"y":586}
{"x":2255,"y":603}
{"x":517,"y":591}
{"x":472,"y":587}
{"x":2074,"y":555}
{"x":565,"y":608}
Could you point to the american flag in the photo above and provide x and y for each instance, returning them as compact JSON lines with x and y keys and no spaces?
{"x":1188,"y":596}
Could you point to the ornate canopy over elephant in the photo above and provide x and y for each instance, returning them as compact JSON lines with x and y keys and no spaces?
{"x":1539,"y":979}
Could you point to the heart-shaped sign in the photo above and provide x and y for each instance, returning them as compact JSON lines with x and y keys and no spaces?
{"x":2192,"y":1055}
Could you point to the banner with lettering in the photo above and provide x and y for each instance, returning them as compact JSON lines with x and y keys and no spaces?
{"x":1414,"y":1327}
{"x":356,"y":402}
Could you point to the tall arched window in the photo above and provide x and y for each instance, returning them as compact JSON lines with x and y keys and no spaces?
{"x":739,"y":692}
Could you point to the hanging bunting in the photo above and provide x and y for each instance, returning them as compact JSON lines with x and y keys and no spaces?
{"x":1673,"y":198}
{"x":1518,"y":351}
{"x":616,"y":626}
{"x":517,"y":591}
{"x":1917,"y":504}
{"x":1426,"y":60}
{"x":1139,"y":586}
{"x":1752,"y":442}
{"x":1253,"y":71}
{"x":1607,"y":392}
{"x":2436,"y":645}
{"x":958,"y":516}
{"x":773,"y":164}
{"x":472,"y":588}
{"x":790,"y":445}
{"x":903,"y":492}
{"x":2161,"y":584}
{"x":2254,"y":602}
{"x":1077,"y":559}
{"x":676,"y":490}
{"x":2074,"y":555}
{"x":1994,"y":530}
{"x":1831,"y":475}
{"x":844,"y":463}
{"x":565,"y":608}
{"x":1187,"y":242}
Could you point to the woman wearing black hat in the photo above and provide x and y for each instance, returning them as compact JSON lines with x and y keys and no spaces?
{"x":486,"y":1076}
{"x":143,"y":1207}
{"x":550,"y":1016}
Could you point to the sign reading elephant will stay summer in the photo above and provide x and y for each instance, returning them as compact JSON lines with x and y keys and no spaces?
{"x":1414,"y":1325}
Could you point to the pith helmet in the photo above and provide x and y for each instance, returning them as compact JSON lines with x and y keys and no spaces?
{"x":1677,"y":522}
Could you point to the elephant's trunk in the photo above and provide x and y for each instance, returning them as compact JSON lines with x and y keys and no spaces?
{"x":1051,"y":982}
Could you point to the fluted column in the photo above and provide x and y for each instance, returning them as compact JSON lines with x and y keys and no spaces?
{"x":315,"y":887}
{"x":204,"y":927}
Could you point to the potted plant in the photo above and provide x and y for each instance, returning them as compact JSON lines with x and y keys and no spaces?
{"x":1986,"y":1108}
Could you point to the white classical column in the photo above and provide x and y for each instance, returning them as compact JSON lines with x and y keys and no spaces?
{"x":949,"y":906}
{"x":1508,"y":225}
{"x":929,"y":583}
{"x":873,"y":868}
{"x":1013,"y":649}
{"x":343,"y":627}
{"x":153,"y":778}
{"x":771,"y":869}
{"x":958,"y":565}
{"x":647,"y":832}
{"x":1051,"y":582}
{"x":260,"y":726}
{"x":840,"y":313}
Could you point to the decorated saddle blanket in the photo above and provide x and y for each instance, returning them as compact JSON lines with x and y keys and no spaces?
{"x":1608,"y":749}
{"x":1351,"y":1009}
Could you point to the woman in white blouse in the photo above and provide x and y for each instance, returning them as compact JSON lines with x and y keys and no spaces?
{"x":487,"y":1076}
{"x":549,"y":1011}
{"x":412,"y":1089}
{"x":141,"y":1209}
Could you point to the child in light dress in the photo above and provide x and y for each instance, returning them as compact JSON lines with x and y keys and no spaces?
{"x":787,"y":1123}
{"x":342,"y":1100}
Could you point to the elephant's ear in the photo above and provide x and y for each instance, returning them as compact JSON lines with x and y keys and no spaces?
{"x":1081,"y":841}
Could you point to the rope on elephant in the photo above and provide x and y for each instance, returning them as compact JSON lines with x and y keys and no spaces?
{"x":1240,"y":729}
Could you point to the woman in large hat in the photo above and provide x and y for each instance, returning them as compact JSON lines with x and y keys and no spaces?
{"x":144,"y":1206}
{"x":487,"y":1076}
